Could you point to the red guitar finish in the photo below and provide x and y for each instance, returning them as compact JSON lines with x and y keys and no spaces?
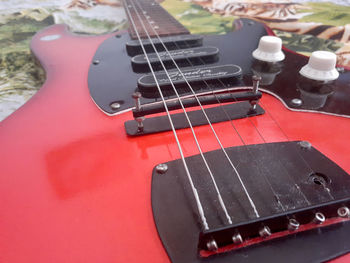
{"x":75,"y":188}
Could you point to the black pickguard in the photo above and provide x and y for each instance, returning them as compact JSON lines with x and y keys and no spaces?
{"x":112,"y":79}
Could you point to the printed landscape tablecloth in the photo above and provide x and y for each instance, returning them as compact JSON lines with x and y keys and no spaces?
{"x":303,"y":25}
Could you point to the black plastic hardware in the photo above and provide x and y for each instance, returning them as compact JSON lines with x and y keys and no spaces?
{"x":182,"y":57}
{"x":280,"y":178}
{"x":217,"y":114}
{"x":192,"y":75}
{"x":133,"y":47}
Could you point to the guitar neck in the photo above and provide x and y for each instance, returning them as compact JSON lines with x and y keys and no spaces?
{"x":149,"y":16}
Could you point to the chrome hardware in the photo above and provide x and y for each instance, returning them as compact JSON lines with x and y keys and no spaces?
{"x":136,"y":96}
{"x":265,"y":232}
{"x":115,"y":105}
{"x":319,"y":218}
{"x":293,"y":224}
{"x":212,"y":245}
{"x":297,"y":102}
{"x":140,"y":125}
{"x":344,"y":212}
{"x":162,"y":168}
{"x":237,"y":239}
{"x":305,"y":145}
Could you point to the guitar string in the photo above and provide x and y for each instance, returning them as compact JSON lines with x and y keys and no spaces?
{"x":225,"y":112}
{"x":229,"y":118}
{"x":307,"y":164}
{"x":193,"y":188}
{"x":221,"y":201}
{"x":204,"y":112}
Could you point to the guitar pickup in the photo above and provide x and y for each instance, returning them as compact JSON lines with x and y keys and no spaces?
{"x":134,"y":48}
{"x":194,"y":75}
{"x":182,"y":57}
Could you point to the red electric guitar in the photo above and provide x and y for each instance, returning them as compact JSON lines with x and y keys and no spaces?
{"x":155,"y":145}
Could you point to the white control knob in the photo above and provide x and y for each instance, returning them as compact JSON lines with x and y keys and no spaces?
{"x":269,"y":49}
{"x":321,"y":66}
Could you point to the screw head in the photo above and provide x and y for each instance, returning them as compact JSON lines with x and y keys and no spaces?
{"x":212,"y":245}
{"x":162,"y":168}
{"x":256,"y":78}
{"x":344,"y":212}
{"x":115,"y":105}
{"x":293,"y":224}
{"x":136,"y":95}
{"x":305,"y":145}
{"x":237,"y":239}
{"x":96,"y":62}
{"x":265,"y":232}
{"x":319,"y":218}
{"x":297,"y":102}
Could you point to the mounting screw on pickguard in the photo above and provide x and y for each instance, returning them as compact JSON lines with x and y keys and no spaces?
{"x":115,"y":105}
{"x":297,"y":102}
{"x":305,"y":145}
{"x":96,"y":62}
{"x":293,"y":224}
{"x":212,"y":245}
{"x":343,"y":212}
{"x":162,"y":168}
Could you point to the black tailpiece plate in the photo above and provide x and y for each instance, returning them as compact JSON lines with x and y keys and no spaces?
{"x":216,"y":114}
{"x":284,"y":180}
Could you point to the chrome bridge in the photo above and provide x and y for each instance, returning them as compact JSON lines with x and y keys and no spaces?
{"x":299,"y":195}
{"x":230,"y":105}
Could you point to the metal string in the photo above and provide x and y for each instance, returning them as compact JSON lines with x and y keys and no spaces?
{"x":221,"y":201}
{"x":260,"y":135}
{"x":229,"y":118}
{"x":307,"y":164}
{"x":194,"y":190}
{"x":203,"y":110}
{"x":233,"y":125}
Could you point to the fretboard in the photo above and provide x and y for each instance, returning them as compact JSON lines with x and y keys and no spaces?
{"x":155,"y":20}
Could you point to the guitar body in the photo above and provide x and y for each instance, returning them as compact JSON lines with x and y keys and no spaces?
{"x":75,"y":188}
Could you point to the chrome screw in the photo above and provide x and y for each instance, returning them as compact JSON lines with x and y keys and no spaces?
{"x":136,"y":96}
{"x":96,"y":62}
{"x":265,"y":231}
{"x":319,"y":218}
{"x":212,"y":246}
{"x":237,"y":239}
{"x":162,"y":168}
{"x":297,"y":102}
{"x":115,"y":105}
{"x":305,"y":145}
{"x":256,"y":81}
{"x":293,"y":224}
{"x":140,"y":125}
{"x":344,"y":212}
